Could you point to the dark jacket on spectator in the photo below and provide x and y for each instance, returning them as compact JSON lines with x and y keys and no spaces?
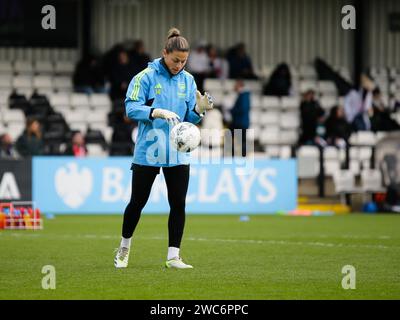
{"x":29,"y":145}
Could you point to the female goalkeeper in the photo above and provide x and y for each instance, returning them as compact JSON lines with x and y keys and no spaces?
{"x":158,"y":98}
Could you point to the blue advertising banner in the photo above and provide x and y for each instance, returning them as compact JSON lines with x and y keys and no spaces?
{"x":102,"y":186}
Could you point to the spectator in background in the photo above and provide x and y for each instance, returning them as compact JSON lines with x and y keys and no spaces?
{"x":198,"y":65}
{"x":89,"y":76}
{"x":7,"y":150}
{"x":338,"y":130}
{"x":357,"y":105}
{"x":280,"y":82}
{"x":30,"y":143}
{"x":218,"y":66}
{"x":77,"y":147}
{"x":139,"y":57}
{"x":380,"y":115}
{"x":120,"y":76}
{"x":312,"y":116}
{"x":240,"y":115}
{"x":240,"y":65}
{"x":121,"y":141}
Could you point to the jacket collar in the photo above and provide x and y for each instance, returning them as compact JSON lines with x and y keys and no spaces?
{"x":162,"y":68}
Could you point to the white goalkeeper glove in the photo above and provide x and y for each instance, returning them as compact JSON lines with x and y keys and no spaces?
{"x":203,"y":103}
{"x":170,"y":116}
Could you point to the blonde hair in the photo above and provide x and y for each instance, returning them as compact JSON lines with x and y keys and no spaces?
{"x":176,"y":42}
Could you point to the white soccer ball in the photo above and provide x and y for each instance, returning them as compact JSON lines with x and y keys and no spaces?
{"x":185,"y":137}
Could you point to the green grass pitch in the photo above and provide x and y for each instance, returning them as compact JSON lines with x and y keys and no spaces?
{"x":268,"y":257}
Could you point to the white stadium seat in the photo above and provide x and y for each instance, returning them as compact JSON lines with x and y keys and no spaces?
{"x":79,"y":100}
{"x":62,"y":83}
{"x":371,"y":181}
{"x":99,"y":100}
{"x":13,"y":116}
{"x":22,"y":82}
{"x":64,"y":67}
{"x":213,"y":85}
{"x":306,"y":85}
{"x":308,"y":162}
{"x":44,"y":67}
{"x":5,"y":81}
{"x":43,"y":82}
{"x":289,"y":120}
{"x":6,"y":67}
{"x":23,"y":67}
{"x":15,"y":130}
{"x":268,"y":118}
{"x":290,"y":102}
{"x":270,"y":102}
{"x":327,"y":88}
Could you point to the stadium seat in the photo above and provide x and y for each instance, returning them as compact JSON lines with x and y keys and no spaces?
{"x":327,"y":88}
{"x":306,"y":85}
{"x":272,"y":151}
{"x":22,"y":82}
{"x":44,"y":67}
{"x":43,"y":82}
{"x":13,"y":116}
{"x":355,"y":167}
{"x":331,"y":166}
{"x":254,"y":86}
{"x":255,"y":117}
{"x":269,"y":118}
{"x":365,"y":153}
{"x":64,"y":67}
{"x":289,"y":137}
{"x":371,"y":181}
{"x":289,"y":120}
{"x":270,"y":135}
{"x":365,"y":138}
{"x":62,"y":83}
{"x":229,"y":85}
{"x":100,"y":101}
{"x":73,"y":117}
{"x":97,"y":118}
{"x":96,"y":150}
{"x":6,"y":68}
{"x":308,"y":162}
{"x":344,"y":183}
{"x":5,"y":81}
{"x":270,"y":102}
{"x":81,"y":127}
{"x":255,"y":101}
{"x":23,"y":67}
{"x":15,"y":130}
{"x":307,"y":72}
{"x":285,"y":152}
{"x":292,"y":103}
{"x":327,"y":102}
{"x":60,"y":101}
{"x":213,"y":85}
{"x":79,"y":100}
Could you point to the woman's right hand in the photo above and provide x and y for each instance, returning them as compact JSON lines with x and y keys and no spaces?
{"x":170,"y":116}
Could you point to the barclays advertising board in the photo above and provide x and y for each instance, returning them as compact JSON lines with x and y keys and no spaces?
{"x":68,"y":185}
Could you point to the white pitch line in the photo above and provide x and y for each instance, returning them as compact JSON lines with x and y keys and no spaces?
{"x":244,"y":241}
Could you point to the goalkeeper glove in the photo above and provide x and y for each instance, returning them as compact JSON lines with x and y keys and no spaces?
{"x":203,"y":103}
{"x":170,"y":116}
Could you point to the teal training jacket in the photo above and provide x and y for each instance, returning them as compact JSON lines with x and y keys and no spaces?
{"x":156,"y":87}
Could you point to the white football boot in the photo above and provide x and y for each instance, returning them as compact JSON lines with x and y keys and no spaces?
{"x":122,"y":257}
{"x":177,"y":263}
